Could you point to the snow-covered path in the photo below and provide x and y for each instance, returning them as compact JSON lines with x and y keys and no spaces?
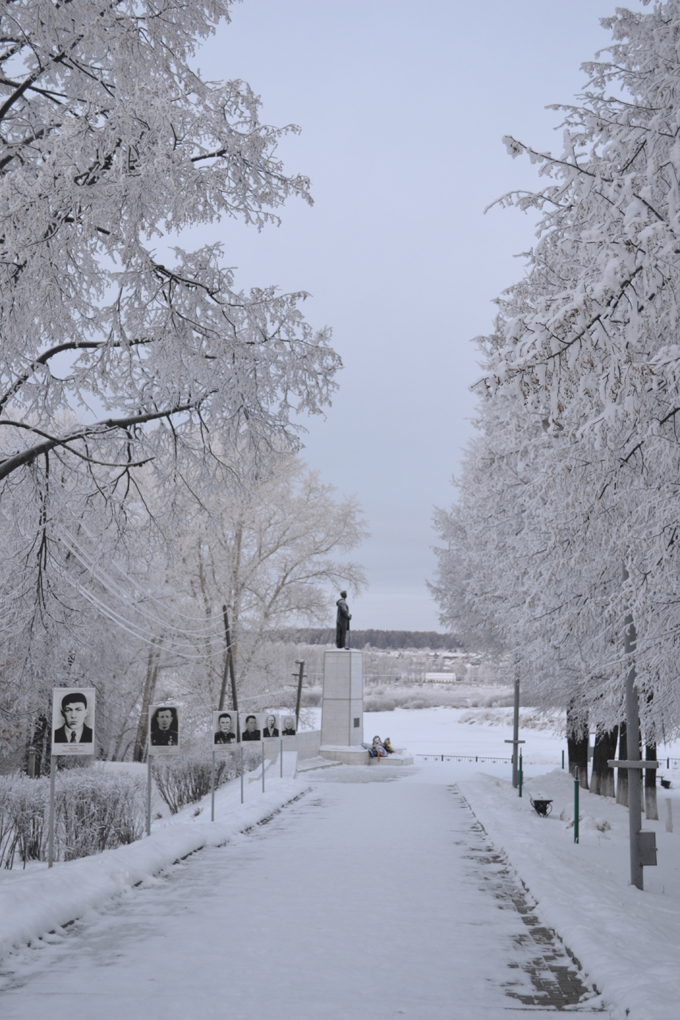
{"x":364,"y":898}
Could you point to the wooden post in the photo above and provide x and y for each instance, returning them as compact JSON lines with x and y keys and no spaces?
{"x":152,"y":668}
{"x":228,"y":666}
{"x":300,"y":676}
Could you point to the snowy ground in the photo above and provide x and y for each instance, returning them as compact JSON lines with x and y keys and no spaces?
{"x":425,"y":892}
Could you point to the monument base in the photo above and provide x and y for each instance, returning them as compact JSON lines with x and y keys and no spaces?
{"x":392,"y":759}
{"x":342,"y":707}
{"x":345,"y":755}
{"x":360,"y":756}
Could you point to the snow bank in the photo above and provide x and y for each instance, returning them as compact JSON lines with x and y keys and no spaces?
{"x":626,"y":940}
{"x":38,"y":901}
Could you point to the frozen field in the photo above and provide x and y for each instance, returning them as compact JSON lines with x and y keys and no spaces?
{"x":427,"y":892}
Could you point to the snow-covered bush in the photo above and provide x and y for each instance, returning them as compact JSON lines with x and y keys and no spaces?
{"x":23,"y":819}
{"x":185,"y":778}
{"x":94,"y":811}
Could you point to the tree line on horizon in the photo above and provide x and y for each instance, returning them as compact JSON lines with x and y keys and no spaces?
{"x":396,"y":639}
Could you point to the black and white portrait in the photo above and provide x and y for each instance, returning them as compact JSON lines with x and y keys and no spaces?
{"x":271,"y":726}
{"x":250,"y":729}
{"x":163,"y":728}
{"x":73,"y":720}
{"x":224,"y":727}
{"x":288,"y":726}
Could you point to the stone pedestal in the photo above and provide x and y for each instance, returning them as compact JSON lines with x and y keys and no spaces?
{"x":342,"y":708}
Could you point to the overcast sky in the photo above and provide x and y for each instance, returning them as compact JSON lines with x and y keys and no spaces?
{"x":402,"y":107}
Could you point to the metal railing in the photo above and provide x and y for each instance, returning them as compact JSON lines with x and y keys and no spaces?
{"x":463,"y":757}
{"x":671,"y":763}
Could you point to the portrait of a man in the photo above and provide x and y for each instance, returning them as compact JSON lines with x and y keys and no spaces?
{"x":288,"y":726}
{"x":224,"y":733}
{"x":250,"y":730}
{"x":74,"y":715}
{"x":164,"y":729}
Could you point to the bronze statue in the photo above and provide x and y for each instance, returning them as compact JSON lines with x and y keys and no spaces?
{"x":342,"y":621}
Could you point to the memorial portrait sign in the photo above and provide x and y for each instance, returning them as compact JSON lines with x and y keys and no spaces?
{"x":288,"y":725}
{"x":251,"y":726}
{"x":73,"y":720}
{"x":164,"y":729}
{"x":224,"y":728}
{"x":271,"y":726}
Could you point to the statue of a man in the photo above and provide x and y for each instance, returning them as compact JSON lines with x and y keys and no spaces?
{"x":342,"y":621}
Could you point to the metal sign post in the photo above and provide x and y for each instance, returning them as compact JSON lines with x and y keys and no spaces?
{"x":281,"y":758}
{"x":242,"y":773}
{"x":50,"y":838}
{"x":515,"y":759}
{"x":148,"y":792}
{"x":576,"y":808}
{"x":642,"y":844}
{"x":212,"y":789}
{"x":263,"y":766}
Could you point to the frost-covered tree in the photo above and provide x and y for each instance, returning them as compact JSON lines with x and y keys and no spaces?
{"x":575,"y":475}
{"x":109,"y":141}
{"x":114,"y":360}
{"x":270,"y":547}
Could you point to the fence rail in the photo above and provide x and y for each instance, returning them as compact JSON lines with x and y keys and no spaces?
{"x":462,"y":757}
{"x":671,"y":763}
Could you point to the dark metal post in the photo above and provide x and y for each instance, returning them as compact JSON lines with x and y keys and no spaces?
{"x":148,"y":792}
{"x":634,"y":774}
{"x":242,"y":767}
{"x":576,"y":808}
{"x":50,"y":835}
{"x":515,"y":734}
{"x":212,"y":789}
{"x":263,"y":766}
